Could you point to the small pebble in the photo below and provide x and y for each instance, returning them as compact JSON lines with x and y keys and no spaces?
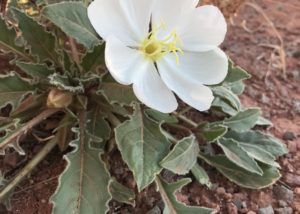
{"x":266,"y":210}
{"x":285,"y":210}
{"x":154,"y":210}
{"x":231,"y":208}
{"x":288,"y":136}
{"x":283,"y":193}
{"x":282,"y":203}
{"x":297,"y":191}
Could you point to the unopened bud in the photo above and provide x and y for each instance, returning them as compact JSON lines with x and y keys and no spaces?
{"x":59,"y":99}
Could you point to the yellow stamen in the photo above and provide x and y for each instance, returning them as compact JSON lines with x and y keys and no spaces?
{"x":155,"y":49}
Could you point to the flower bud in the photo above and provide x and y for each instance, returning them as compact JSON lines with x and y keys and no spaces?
{"x":59,"y":99}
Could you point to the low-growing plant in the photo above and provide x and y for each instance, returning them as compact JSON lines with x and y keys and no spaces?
{"x":64,"y":69}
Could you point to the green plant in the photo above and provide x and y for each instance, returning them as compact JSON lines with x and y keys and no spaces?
{"x":60,"y":70}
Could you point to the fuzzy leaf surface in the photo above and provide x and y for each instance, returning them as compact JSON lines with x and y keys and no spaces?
{"x":83,"y":186}
{"x":237,"y":155}
{"x":65,"y":83}
{"x":72,"y":18}
{"x":39,"y":72}
{"x":213,"y":133}
{"x":183,"y":156}
{"x":41,"y":43}
{"x":241,"y":176}
{"x":259,"y":140}
{"x":172,"y":206}
{"x":235,"y":73}
{"x":228,"y":96}
{"x":142,"y":146}
{"x":158,"y":116}
{"x":13,"y":89}
{"x":244,"y":120}
{"x":121,"y":193}
{"x":201,"y":175}
{"x":94,"y":58}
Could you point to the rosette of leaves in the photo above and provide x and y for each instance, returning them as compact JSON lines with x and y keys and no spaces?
{"x":59,"y":70}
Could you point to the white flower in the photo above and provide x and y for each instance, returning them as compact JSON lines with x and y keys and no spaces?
{"x":161,"y":46}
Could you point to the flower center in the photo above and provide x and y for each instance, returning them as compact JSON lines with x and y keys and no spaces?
{"x":154,"y":48}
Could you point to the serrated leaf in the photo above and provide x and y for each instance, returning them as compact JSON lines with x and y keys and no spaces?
{"x":201,"y":175}
{"x":41,"y":43}
{"x":142,"y":146}
{"x":238,"y":156}
{"x":183,"y":156}
{"x":241,"y":176}
{"x":38,"y":72}
{"x":228,"y":96}
{"x":72,"y":18}
{"x":121,"y":193}
{"x":65,"y":83}
{"x":159,"y":117}
{"x":213,"y":133}
{"x":13,"y":89}
{"x":235,"y":73}
{"x":97,"y":129}
{"x":259,"y":140}
{"x":117,"y":93}
{"x":7,"y":40}
{"x":83,"y":186}
{"x":94,"y":58}
{"x":172,"y":206}
{"x":244,"y":120}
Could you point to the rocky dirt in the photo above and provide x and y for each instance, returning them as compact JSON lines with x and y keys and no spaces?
{"x":265,"y":42}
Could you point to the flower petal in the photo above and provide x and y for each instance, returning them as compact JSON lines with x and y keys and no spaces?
{"x":171,"y":12}
{"x":128,"y":20}
{"x":203,"y":29}
{"x":122,"y":62}
{"x":191,"y":92}
{"x":152,"y":91}
{"x":208,"y":68}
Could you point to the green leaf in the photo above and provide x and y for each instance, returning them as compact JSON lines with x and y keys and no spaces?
{"x":241,"y":176}
{"x":94,"y":58}
{"x":72,"y":18}
{"x":259,"y":140}
{"x":66,"y":83}
{"x":201,"y":175}
{"x":183,"y":156}
{"x":41,"y":43}
{"x":223,"y":106}
{"x":236,"y":87}
{"x":142,"y":146}
{"x":121,"y":193}
{"x":263,"y":122}
{"x":13,"y":89}
{"x":172,"y":206}
{"x":235,"y":73}
{"x":228,"y":96}
{"x":97,"y":129}
{"x":117,"y":93}
{"x":83,"y":186}
{"x":238,"y":156}
{"x":7,"y":40}
{"x":159,"y":117}
{"x":244,"y":120}
{"x":39,"y":72}
{"x":213,"y":133}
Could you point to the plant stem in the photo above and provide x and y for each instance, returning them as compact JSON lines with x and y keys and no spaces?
{"x":185,"y":119}
{"x":27,"y":169}
{"x":23,"y":130}
{"x":113,"y":120}
{"x":75,"y":54}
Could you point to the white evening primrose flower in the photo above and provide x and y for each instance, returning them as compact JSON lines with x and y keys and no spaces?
{"x":161,"y":46}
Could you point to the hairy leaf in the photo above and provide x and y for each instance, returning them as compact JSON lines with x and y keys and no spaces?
{"x":94,"y":58}
{"x":244,"y":120}
{"x":259,"y":140}
{"x":237,"y":155}
{"x":159,"y":117}
{"x":41,"y":43}
{"x":228,"y":96}
{"x":13,"y":89}
{"x":172,"y":206}
{"x":241,"y":176}
{"x":201,"y":175}
{"x":183,"y":156}
{"x":38,"y":72}
{"x":116,"y":93}
{"x":122,"y":193}
{"x":83,"y":186}
{"x":235,"y":73}
{"x":213,"y":133}
{"x":72,"y":18}
{"x":222,"y":105}
{"x":66,"y":83}
{"x":142,"y":146}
